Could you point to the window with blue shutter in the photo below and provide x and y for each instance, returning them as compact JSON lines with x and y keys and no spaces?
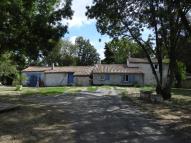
{"x":107,"y":77}
{"x":126,"y":78}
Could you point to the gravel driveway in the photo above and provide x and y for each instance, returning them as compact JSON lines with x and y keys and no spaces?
{"x":80,"y":118}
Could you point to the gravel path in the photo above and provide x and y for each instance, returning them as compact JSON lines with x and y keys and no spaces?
{"x":82,"y":118}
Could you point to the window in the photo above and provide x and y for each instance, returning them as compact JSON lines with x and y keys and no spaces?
{"x":107,"y":77}
{"x":102,"y":77}
{"x":126,"y":78}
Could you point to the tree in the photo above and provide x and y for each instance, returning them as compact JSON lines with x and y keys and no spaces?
{"x":8,"y":69}
{"x":180,"y":74}
{"x":109,"y":55}
{"x":64,"y":54}
{"x":184,"y":56}
{"x":183,"y":8}
{"x":31,"y":28}
{"x":122,"y":49}
{"x":129,"y":18}
{"x":87,"y":54}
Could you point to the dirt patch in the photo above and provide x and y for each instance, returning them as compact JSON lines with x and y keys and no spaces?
{"x":176,"y":119}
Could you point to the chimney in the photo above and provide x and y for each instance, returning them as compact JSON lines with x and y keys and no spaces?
{"x":129,"y":56}
{"x":52,"y":66}
{"x":128,"y":62}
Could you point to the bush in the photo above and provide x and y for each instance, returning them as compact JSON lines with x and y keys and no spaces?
{"x":147,"y":89}
{"x":18,"y":81}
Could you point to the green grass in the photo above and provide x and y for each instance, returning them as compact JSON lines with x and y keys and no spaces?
{"x":147,"y":89}
{"x":44,"y":91}
{"x":39,"y":91}
{"x":181,"y":97}
{"x":92,"y":88}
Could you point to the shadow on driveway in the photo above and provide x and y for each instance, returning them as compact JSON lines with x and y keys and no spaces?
{"x":80,"y":119}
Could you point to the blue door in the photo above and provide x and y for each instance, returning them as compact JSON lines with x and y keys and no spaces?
{"x":70,"y":78}
{"x":33,"y":80}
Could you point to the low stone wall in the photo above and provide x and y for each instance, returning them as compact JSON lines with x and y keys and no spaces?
{"x":150,"y":97}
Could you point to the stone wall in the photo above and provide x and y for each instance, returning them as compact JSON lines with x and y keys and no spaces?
{"x":82,"y":80}
{"x":55,"y":79}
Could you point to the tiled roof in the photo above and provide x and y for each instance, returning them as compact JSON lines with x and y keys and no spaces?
{"x":36,"y":69}
{"x":115,"y":68}
{"x":86,"y":70}
{"x":77,"y":70}
{"x":141,"y":60}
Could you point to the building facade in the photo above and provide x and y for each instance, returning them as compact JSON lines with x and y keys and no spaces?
{"x":135,"y":72}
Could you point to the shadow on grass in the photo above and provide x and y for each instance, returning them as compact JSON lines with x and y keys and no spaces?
{"x":182,"y":92}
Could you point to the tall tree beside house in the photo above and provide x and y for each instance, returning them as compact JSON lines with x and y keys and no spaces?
{"x":8,"y":69}
{"x":129,"y":19}
{"x":109,"y":55}
{"x":121,"y":49}
{"x":87,"y":54}
{"x":31,"y":28}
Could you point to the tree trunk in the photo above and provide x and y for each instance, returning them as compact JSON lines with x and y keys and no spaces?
{"x":165,"y":92}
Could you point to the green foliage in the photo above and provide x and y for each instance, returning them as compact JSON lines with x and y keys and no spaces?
{"x":7,"y":67}
{"x":31,"y":28}
{"x":64,"y":54}
{"x":130,"y":18}
{"x":109,"y":55}
{"x":181,"y":70}
{"x":185,"y":47}
{"x":118,"y":50}
{"x":147,"y":89}
{"x":87,"y":54}
{"x":67,"y":54}
{"x":92,"y":88}
{"x":180,"y":73}
{"x":19,"y":78}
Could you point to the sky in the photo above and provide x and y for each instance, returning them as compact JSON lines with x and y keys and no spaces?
{"x":81,"y":26}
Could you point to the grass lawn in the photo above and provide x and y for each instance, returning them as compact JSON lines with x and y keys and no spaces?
{"x":40,"y":91}
{"x":92,"y":88}
{"x":11,"y":91}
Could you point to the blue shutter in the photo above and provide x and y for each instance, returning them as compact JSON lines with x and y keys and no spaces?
{"x":130,"y":79}
{"x":107,"y":77}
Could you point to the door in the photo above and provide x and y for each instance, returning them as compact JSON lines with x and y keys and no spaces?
{"x":33,"y":80}
{"x":70,"y":78}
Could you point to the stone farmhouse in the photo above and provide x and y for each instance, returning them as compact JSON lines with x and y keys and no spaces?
{"x":136,"y":72}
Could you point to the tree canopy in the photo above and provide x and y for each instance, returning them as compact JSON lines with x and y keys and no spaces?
{"x":32,"y":28}
{"x":67,"y":54}
{"x":118,"y":50}
{"x":7,"y":68}
{"x":87,"y":54}
{"x":64,"y":54}
{"x":129,"y":19}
